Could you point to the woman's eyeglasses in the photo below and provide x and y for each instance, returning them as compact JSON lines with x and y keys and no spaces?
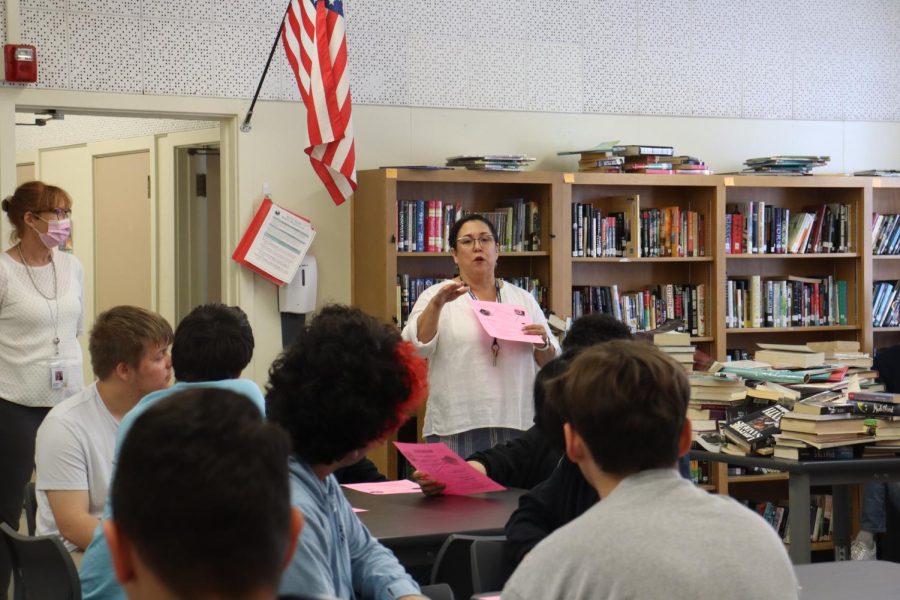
{"x":468,"y":242}
{"x":61,"y":213}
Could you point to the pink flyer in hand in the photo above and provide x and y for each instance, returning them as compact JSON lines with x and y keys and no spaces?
{"x":504,"y":321}
{"x":403,"y":486}
{"x":444,"y":465}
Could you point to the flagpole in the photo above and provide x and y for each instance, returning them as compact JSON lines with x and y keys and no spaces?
{"x":245,"y":126}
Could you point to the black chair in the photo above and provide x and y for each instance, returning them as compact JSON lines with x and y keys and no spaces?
{"x":30,"y":507}
{"x":490,"y":564}
{"x":453,"y":564}
{"x":438,"y":591}
{"x":41,"y":566}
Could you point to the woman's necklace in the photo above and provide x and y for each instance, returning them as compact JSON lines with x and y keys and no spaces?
{"x":47,"y":298}
{"x":495,"y":346}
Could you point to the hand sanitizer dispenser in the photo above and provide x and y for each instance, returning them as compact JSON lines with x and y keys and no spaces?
{"x":299,"y":296}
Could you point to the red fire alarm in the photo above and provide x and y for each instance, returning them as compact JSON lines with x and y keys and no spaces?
{"x":21,"y":63}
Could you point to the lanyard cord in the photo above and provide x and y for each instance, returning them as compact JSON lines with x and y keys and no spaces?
{"x":47,"y":299}
{"x":495,"y":345}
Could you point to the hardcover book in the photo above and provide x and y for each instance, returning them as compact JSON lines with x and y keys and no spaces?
{"x":754,"y":431}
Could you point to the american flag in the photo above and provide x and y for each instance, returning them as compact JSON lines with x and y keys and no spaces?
{"x":314,"y":40}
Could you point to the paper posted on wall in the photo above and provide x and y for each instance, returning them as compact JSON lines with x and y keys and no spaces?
{"x":275,"y":243}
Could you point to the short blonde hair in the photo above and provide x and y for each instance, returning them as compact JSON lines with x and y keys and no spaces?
{"x":121,"y":335}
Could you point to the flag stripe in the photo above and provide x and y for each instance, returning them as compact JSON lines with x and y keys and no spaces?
{"x":314,"y":39}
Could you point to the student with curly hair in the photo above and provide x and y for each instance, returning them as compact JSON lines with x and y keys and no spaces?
{"x":347,"y":383}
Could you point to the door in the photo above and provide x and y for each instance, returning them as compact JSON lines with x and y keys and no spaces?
{"x":122,"y":225}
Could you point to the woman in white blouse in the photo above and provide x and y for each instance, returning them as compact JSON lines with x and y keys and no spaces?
{"x":41,"y":313}
{"x":480,"y":387}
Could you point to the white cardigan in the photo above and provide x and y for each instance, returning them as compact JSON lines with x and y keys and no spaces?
{"x":27,"y":330}
{"x":466,"y":390}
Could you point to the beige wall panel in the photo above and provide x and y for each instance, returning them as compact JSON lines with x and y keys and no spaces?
{"x":122,"y":236}
{"x":24,"y":173}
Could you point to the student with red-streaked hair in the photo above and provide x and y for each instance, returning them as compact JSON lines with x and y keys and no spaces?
{"x":346,"y":383}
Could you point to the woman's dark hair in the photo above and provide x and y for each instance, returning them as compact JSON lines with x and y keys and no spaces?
{"x":346,"y":382}
{"x":201,"y":491}
{"x":454,"y":229}
{"x":213,"y":342}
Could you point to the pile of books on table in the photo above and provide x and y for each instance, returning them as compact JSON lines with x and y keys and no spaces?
{"x":490,"y":162}
{"x":805,"y":402}
{"x":677,"y":345}
{"x":784,"y":165}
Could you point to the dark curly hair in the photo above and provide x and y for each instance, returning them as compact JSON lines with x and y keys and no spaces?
{"x":347,"y":381}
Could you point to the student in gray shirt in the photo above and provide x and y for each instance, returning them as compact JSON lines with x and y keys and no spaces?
{"x":655,"y":534}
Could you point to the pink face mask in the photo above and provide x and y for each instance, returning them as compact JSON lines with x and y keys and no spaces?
{"x":57,"y":232}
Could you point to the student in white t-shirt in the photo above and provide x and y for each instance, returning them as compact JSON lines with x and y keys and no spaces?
{"x":129,"y":350}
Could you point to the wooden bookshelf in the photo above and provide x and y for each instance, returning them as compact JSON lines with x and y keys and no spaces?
{"x":804,"y":194}
{"x":885,"y":200}
{"x":699,"y":193}
{"x":376,"y":262}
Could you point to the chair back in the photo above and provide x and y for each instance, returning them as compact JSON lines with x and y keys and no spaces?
{"x":490,"y":564}
{"x":453,"y":565}
{"x":30,"y":507}
{"x":438,"y":591}
{"x":41,"y":566}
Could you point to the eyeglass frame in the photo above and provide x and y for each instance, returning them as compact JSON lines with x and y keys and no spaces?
{"x":59,"y":212}
{"x":484,"y":240}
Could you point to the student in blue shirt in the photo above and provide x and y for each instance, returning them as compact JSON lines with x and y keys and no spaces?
{"x":346,"y":383}
{"x":212,"y":345}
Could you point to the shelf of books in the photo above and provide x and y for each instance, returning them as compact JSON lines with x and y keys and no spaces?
{"x":794,"y":261}
{"x":885,"y":252}
{"x":641,"y":247}
{"x":400,"y":223}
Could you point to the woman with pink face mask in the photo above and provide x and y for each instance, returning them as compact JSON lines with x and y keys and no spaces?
{"x":41,"y":315}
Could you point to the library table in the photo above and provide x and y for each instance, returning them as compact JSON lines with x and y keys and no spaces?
{"x":802,"y":475}
{"x":414,"y":526}
{"x":869,"y":579}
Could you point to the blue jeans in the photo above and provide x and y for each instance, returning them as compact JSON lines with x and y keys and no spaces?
{"x":874,"y":507}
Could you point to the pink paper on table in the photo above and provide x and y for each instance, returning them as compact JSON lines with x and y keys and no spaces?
{"x":444,"y":465}
{"x":504,"y":321}
{"x":403,"y":486}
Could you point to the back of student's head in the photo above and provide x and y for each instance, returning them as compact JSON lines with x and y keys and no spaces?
{"x":122,"y":334}
{"x":213,"y":342}
{"x":628,"y":401}
{"x":347,"y":381}
{"x":586,"y":331}
{"x":201,"y":493}
{"x":592,"y":329}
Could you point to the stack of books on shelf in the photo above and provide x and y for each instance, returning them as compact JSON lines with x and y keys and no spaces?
{"x":646,"y":309}
{"x":715,"y":398}
{"x":490,"y":162}
{"x":821,"y":521}
{"x":760,"y":228}
{"x":886,"y":234}
{"x":599,"y":233}
{"x":886,"y":304}
{"x":790,"y":302}
{"x":424,"y":225}
{"x":638,"y":158}
{"x":784,"y":165}
{"x":625,"y":229}
{"x":878,"y":173}
{"x":678,"y":346}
